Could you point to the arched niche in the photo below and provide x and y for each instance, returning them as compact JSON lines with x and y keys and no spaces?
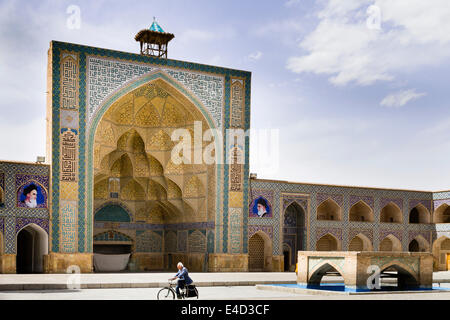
{"x":419,"y":244}
{"x":31,"y":246}
{"x":294,"y":233}
{"x":419,"y":214}
{"x":112,"y":213}
{"x":391,"y":213}
{"x":441,"y":253}
{"x":260,"y":252}
{"x":361,"y":212}
{"x":329,"y":210}
{"x":328,"y":242}
{"x":442,"y":214}
{"x":390,"y":243}
{"x":360,"y":243}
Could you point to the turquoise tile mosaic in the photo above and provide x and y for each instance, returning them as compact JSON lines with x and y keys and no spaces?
{"x":102,"y":74}
{"x":344,"y":230}
{"x":14,"y":216}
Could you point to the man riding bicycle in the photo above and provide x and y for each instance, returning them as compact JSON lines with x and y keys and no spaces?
{"x":183,"y":278}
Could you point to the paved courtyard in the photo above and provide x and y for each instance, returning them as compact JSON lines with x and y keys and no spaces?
{"x":205,"y":293}
{"x":211,"y":286}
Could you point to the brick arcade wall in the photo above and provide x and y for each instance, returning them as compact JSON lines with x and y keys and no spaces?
{"x":309,"y":196}
{"x":15,"y":215}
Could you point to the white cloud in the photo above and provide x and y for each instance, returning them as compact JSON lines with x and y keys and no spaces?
{"x":255,"y":55}
{"x":414,"y":34}
{"x":399,"y":99}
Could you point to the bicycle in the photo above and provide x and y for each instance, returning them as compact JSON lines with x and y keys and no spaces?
{"x":169,"y":293}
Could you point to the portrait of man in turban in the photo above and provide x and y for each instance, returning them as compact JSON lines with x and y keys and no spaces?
{"x":261,"y":208}
{"x":31,"y":196}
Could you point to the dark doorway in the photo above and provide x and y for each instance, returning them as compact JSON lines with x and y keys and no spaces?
{"x":286,"y":260}
{"x":32,"y":245}
{"x":293,"y":233}
{"x":414,"y":216}
{"x":24,"y":261}
{"x":413,"y":246}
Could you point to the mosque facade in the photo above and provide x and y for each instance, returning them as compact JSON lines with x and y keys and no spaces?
{"x":111,"y":197}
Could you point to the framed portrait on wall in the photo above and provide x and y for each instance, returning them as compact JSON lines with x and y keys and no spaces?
{"x":31,"y":195}
{"x":260,"y":208}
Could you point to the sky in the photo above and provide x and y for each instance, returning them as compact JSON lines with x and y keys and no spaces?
{"x":356,"y":90}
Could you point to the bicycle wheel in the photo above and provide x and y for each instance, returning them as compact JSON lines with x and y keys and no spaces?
{"x":166,"y":294}
{"x":196,"y":291}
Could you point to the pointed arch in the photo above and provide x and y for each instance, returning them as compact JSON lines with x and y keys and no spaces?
{"x":299,"y":211}
{"x":260,"y":252}
{"x":441,"y":250}
{"x":321,"y":270}
{"x":360,"y":242}
{"x":361,"y":211}
{"x":442,"y":214}
{"x":113,"y":212}
{"x":329,"y":210}
{"x":419,"y":214}
{"x":390,"y":243}
{"x":328,"y":242}
{"x":142,"y":107}
{"x":406,"y":277}
{"x":391,"y":213}
{"x":419,"y":244}
{"x":31,"y":246}
{"x":294,"y":232}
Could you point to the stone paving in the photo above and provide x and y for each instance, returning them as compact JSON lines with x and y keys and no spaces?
{"x":138,"y":280}
{"x":157,"y":279}
{"x":249,"y":293}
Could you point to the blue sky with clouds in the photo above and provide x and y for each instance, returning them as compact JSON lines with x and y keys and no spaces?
{"x":358,"y":89}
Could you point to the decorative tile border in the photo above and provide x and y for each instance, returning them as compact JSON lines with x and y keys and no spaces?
{"x":149,"y":226}
{"x":438,"y":203}
{"x":22,"y":222}
{"x":385,"y":201}
{"x":367,"y":199}
{"x":112,"y":235}
{"x":426,"y":235}
{"x":384,"y":233}
{"x":367,"y":232}
{"x":338,"y":198}
{"x":336,"y":232}
{"x":300,"y":200}
{"x":415,"y":202}
{"x":254,"y":229}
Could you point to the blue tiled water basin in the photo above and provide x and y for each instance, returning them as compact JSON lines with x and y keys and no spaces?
{"x":340,"y":287}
